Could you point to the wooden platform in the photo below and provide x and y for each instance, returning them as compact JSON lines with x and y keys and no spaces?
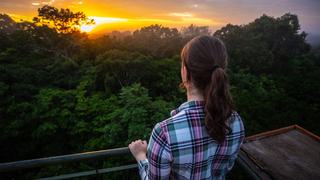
{"x":287,"y":153}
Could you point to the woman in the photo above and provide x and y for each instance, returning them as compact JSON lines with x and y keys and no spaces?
{"x":202,"y":137}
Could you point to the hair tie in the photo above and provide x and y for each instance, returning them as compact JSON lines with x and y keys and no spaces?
{"x":214,"y":68}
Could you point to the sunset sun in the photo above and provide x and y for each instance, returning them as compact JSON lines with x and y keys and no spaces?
{"x":100,"y":21}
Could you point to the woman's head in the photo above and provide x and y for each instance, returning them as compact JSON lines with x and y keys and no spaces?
{"x":205,"y":61}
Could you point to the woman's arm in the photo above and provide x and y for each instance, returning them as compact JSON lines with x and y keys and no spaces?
{"x":158,"y":164}
{"x":138,"y":149}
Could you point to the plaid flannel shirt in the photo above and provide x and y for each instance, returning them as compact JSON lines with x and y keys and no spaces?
{"x":180,"y":148}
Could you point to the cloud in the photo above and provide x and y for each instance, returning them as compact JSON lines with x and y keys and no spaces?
{"x":181,"y":14}
{"x":35,"y":4}
{"x":38,"y":3}
{"x":205,"y":11}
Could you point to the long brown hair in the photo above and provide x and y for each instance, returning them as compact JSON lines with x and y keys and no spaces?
{"x":205,"y":59}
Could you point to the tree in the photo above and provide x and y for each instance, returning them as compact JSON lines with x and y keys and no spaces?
{"x":157,"y":40}
{"x":265,"y":45}
{"x":63,"y":20}
{"x":117,"y":69}
{"x":192,"y":31}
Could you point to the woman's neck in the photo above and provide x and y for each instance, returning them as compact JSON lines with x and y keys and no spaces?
{"x":194,"y":95}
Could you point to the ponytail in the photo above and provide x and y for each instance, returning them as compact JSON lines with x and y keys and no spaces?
{"x":218,"y":105}
{"x":205,"y":59}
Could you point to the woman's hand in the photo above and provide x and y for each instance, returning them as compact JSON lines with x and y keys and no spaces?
{"x":138,"y":149}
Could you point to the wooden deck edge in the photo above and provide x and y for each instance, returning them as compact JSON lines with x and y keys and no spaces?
{"x":281,"y":130}
{"x":312,"y":135}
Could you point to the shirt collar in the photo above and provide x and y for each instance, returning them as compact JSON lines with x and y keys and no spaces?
{"x":187,"y":105}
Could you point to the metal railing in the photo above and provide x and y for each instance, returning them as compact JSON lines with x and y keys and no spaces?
{"x":25,"y":164}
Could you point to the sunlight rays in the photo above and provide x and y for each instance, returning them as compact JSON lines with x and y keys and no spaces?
{"x":100,"y":21}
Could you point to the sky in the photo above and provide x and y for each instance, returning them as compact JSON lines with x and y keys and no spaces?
{"x":133,"y":14}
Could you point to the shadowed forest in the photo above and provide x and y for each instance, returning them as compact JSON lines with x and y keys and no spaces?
{"x":62,"y":92}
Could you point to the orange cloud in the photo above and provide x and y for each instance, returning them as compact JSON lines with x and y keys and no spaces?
{"x":181,"y":14}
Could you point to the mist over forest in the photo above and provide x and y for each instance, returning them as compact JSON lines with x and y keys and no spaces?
{"x":62,"y":92}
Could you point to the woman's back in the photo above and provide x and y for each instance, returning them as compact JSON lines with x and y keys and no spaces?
{"x":202,"y":138}
{"x":188,"y":151}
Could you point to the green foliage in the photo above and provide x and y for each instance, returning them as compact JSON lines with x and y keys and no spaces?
{"x":156,"y":40}
{"x":261,"y":102}
{"x":117,"y":69}
{"x":265,"y":45}
{"x":64,"y":93}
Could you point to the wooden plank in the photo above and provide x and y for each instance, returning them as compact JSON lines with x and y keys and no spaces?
{"x":308,"y":133}
{"x":286,"y":153}
{"x":280,"y":131}
{"x":269,"y":133}
{"x":255,"y":171}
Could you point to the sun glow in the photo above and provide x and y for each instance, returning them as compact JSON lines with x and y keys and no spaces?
{"x":87,"y":28}
{"x":100,"y":21}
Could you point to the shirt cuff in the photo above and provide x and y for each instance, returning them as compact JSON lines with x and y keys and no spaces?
{"x":143,"y":163}
{"x":143,"y":168}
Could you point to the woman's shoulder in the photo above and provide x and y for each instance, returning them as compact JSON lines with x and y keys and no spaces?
{"x":162,"y":126}
{"x":170,"y":123}
{"x":174,"y":118}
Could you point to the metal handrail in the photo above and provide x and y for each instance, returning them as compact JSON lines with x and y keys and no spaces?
{"x":17,"y":165}
{"x":24,"y":164}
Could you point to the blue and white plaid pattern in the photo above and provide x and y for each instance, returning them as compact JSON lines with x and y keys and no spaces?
{"x":180,"y":148}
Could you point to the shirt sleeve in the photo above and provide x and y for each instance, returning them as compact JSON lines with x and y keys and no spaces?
{"x":239,"y":135}
{"x":158,"y":164}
